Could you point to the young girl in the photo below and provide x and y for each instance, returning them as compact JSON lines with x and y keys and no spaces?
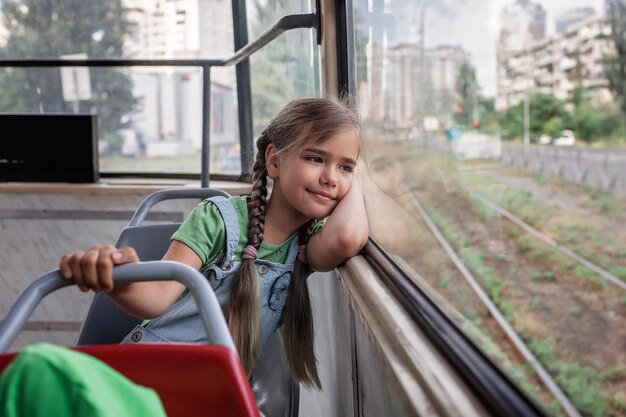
{"x":256,"y":251}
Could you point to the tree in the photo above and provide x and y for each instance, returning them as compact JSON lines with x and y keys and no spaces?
{"x":547,"y":115}
{"x":553,"y":126}
{"x":488,"y":116}
{"x":591,"y":123}
{"x":512,"y":122}
{"x":466,"y":90}
{"x":51,"y":28}
{"x":615,"y":66}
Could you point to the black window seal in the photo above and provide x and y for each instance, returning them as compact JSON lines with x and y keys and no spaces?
{"x":497,"y":392}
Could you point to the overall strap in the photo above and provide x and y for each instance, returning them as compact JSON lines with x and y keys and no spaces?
{"x":293,"y":251}
{"x":231,"y":222}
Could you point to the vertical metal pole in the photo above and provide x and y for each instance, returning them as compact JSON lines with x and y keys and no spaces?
{"x":377,"y":39}
{"x":475,"y":114}
{"x":346,"y":61}
{"x":422,"y":77}
{"x":159,"y":105}
{"x":76,"y":102}
{"x":526,"y":121}
{"x":244,"y":90}
{"x":206,"y":125}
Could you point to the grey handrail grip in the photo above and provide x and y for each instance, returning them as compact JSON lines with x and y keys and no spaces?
{"x":208,"y":306}
{"x":170,"y":194}
{"x":285,"y":23}
{"x":25,"y":304}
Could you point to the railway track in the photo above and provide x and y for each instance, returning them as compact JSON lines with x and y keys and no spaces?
{"x":547,"y":239}
{"x":495,"y":312}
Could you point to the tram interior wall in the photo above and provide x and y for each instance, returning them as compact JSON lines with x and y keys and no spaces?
{"x":353,"y":375}
{"x":37,"y":229}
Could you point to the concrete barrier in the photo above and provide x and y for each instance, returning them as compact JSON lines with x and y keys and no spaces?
{"x":603,"y":169}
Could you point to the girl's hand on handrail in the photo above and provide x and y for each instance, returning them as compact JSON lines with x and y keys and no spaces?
{"x":92,"y":269}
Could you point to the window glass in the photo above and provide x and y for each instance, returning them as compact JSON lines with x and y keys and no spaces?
{"x":285,"y":69}
{"x":494,"y":135}
{"x":149,"y":118}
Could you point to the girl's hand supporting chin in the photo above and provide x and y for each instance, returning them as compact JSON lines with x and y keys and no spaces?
{"x":344,"y":234}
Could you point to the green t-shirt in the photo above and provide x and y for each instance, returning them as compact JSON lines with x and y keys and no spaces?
{"x":204,"y":232}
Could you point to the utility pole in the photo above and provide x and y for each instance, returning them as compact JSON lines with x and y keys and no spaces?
{"x":475,"y":115}
{"x":422,"y":78}
{"x":526,"y":120}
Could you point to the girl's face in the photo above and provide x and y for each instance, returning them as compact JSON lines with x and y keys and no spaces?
{"x":312,"y":180}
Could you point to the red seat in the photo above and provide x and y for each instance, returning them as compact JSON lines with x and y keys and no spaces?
{"x":192,"y":380}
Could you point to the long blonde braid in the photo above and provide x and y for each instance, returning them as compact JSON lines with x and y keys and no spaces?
{"x":299,"y":327}
{"x":244,"y":304}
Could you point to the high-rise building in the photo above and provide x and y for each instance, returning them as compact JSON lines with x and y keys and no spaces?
{"x":443,"y":65}
{"x":178,"y":29}
{"x":171,"y":116}
{"x":215,"y":29}
{"x":572,"y":16}
{"x":163,"y":28}
{"x":404,"y":86}
{"x":444,"y":62}
{"x":523,"y":22}
{"x":558,"y":64}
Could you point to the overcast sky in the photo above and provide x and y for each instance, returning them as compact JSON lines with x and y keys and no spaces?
{"x":475,"y":24}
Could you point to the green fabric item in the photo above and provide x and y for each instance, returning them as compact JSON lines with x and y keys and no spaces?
{"x":47,"y":380}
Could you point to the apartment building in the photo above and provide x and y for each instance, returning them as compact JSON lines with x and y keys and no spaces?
{"x":571,"y":16}
{"x":523,"y":23}
{"x":171,"y":116}
{"x":402,"y":92}
{"x":557,"y":64}
{"x":404,"y":87}
{"x":443,"y":63}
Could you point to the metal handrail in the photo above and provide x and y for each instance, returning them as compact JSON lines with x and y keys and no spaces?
{"x":208,"y":306}
{"x":285,"y":23}
{"x":170,"y":194}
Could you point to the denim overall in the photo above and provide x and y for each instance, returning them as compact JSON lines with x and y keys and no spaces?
{"x":181,"y":322}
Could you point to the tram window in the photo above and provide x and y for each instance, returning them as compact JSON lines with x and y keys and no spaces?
{"x":150,"y":118}
{"x":286,"y":68}
{"x":476,"y":192}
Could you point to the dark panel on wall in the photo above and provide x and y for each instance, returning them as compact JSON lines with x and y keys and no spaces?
{"x":48,"y":147}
